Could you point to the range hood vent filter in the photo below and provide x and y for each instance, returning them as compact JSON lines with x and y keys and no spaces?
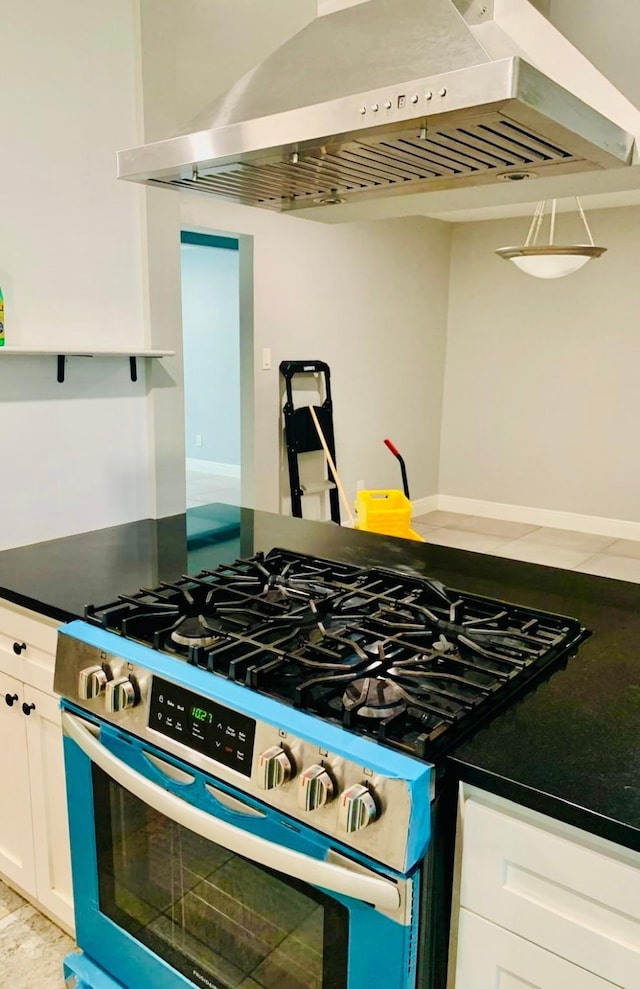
{"x":436,"y":159}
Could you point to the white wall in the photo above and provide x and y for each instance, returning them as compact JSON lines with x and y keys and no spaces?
{"x":74,"y":456}
{"x":190,"y":51}
{"x":69,"y":233}
{"x":607,"y":34}
{"x":217,"y":42}
{"x":371,"y":301}
{"x":541,"y":398}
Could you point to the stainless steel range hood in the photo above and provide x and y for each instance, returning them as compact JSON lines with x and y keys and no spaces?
{"x":397,"y":96}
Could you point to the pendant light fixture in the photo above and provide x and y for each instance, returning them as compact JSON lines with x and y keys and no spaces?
{"x":551,"y":260}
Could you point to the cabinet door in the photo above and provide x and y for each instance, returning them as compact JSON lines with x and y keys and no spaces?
{"x":49,"y":808}
{"x":16,"y":842}
{"x":573,"y":900}
{"x":491,"y":958}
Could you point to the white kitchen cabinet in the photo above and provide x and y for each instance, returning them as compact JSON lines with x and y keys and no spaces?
{"x":559,"y":904}
{"x":17,"y":861}
{"x":34,"y":835}
{"x":489,"y":957}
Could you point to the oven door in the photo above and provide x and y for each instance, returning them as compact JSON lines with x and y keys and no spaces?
{"x":180,"y":881}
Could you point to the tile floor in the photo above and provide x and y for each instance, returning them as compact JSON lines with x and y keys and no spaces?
{"x":31,"y":947}
{"x":205,"y":488}
{"x":583,"y":551}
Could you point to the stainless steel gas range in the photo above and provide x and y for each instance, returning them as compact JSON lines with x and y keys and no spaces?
{"x":252,"y":758}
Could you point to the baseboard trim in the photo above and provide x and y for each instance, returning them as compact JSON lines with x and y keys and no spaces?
{"x":423,"y":505}
{"x":615,"y":528}
{"x":212,"y":467}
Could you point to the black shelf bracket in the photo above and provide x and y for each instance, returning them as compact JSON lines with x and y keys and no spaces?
{"x":133,"y":366}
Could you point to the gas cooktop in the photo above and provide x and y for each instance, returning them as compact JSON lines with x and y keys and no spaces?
{"x":393,"y":656}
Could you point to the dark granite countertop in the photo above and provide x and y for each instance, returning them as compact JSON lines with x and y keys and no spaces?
{"x":570,"y":749}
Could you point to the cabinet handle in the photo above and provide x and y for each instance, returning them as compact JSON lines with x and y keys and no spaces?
{"x":10,"y":699}
{"x":28,"y":708}
{"x":19,"y":647}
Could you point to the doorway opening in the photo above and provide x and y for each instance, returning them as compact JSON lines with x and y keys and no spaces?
{"x":210,"y":275}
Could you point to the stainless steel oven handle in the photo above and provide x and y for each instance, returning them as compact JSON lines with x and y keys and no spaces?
{"x":380,"y":892}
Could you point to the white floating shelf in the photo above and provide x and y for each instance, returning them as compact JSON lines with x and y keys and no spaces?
{"x":63,"y":352}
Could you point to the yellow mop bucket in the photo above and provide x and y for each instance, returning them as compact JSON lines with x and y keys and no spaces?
{"x":387,"y":512}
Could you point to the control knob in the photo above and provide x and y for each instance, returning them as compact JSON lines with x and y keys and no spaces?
{"x":92,"y":682}
{"x":316,"y":788}
{"x":357,"y":808}
{"x":120,"y":694}
{"x":274,"y":768}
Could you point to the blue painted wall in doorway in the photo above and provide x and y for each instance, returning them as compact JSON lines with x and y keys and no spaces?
{"x":210,"y":316}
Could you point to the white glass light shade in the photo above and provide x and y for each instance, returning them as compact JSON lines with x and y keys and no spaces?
{"x":551,"y":261}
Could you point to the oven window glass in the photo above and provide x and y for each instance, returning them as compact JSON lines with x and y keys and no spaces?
{"x":217,"y":918}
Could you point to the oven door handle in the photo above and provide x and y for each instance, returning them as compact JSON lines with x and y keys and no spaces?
{"x":381,"y":893}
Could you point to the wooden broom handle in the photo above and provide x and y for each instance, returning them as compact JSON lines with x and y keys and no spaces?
{"x":332,"y":466}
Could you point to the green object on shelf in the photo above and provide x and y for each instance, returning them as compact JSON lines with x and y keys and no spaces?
{"x":1,"y":319}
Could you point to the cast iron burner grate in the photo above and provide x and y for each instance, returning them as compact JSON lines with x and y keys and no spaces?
{"x":403,"y":659}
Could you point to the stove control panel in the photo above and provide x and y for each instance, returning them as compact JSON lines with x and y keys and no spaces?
{"x":203,"y":725}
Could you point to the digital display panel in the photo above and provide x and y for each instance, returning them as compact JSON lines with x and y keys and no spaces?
{"x":203,"y":725}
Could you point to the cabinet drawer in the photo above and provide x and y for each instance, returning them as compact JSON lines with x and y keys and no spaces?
{"x":491,"y":958}
{"x":27,"y":645}
{"x":579,"y":903}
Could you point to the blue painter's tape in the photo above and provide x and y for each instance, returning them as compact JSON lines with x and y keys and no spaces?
{"x":87,"y":973}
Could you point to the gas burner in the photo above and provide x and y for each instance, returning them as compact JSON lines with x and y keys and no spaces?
{"x":193,"y":631}
{"x":375,"y":698}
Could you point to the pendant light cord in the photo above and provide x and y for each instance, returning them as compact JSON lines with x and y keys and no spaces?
{"x":538,"y":216}
{"x":584,"y":220}
{"x":534,"y":229}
